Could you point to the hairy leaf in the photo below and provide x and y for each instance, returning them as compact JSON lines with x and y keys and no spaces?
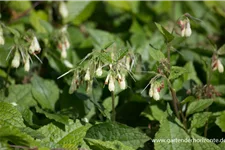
{"x":198,"y":105}
{"x":107,"y":145}
{"x":45,"y":92}
{"x":112,"y":131}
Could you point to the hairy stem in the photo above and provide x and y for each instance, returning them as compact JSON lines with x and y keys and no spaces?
{"x":113,"y":116}
{"x":175,"y":102}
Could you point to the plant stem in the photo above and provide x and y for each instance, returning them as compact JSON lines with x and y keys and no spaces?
{"x":175,"y":103}
{"x":168,"y":55}
{"x":113,"y":116}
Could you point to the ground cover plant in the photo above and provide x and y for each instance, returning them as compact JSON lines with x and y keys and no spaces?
{"x":112,"y":75}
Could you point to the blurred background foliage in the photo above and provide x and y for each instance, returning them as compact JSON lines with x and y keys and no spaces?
{"x":92,"y":25}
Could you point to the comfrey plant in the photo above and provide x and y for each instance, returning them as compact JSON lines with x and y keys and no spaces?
{"x":168,"y":73}
{"x":112,"y":63}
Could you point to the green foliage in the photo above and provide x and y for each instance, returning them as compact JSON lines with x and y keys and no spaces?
{"x":198,"y":105}
{"x":112,"y":131}
{"x":171,"y":129}
{"x":45,"y":92}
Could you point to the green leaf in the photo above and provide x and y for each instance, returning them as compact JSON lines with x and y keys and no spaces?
{"x":191,"y":73}
{"x":72,"y":136}
{"x":121,"y":53}
{"x":10,"y":115}
{"x":198,"y":105}
{"x":79,"y":11}
{"x":176,"y":72}
{"x":206,"y":145}
{"x":200,"y":119}
{"x":20,"y":7}
{"x":156,"y":55}
{"x":85,"y":13}
{"x":220,"y":121}
{"x":105,"y":57}
{"x":107,"y":145}
{"x":222,"y":145}
{"x":14,"y":135}
{"x":14,"y":31}
{"x":20,"y":95}
{"x":45,"y":92}
{"x":112,"y":131}
{"x":168,"y":36}
{"x":153,"y":112}
{"x":171,"y":129}
{"x":221,"y":50}
{"x":102,"y":39}
{"x":188,"y":99}
{"x":35,"y":20}
{"x":48,"y":27}
{"x":57,"y":117}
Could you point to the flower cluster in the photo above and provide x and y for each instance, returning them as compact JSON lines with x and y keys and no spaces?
{"x":63,"y":42}
{"x":110,"y":80}
{"x":185,"y":27}
{"x":117,"y":68}
{"x":216,"y":64}
{"x":155,"y":90}
{"x":24,"y":53}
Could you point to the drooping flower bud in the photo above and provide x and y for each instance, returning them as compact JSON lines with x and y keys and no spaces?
{"x":99,"y":71}
{"x":156,"y":94}
{"x":63,"y":51}
{"x":27,"y":64}
{"x":107,"y":79}
{"x":111,"y":84}
{"x":16,"y":60}
{"x":185,"y":28}
{"x":34,"y":47}
{"x":216,"y":64}
{"x":2,"y":40}
{"x":87,"y":76}
{"x":66,"y":43}
{"x":122,"y":82}
{"x":154,"y":91}
{"x":220,"y":66}
{"x":188,"y":29}
{"x":63,"y":10}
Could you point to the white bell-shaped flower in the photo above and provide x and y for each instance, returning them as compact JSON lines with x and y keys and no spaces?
{"x":63,"y":51}
{"x":2,"y":40}
{"x":185,"y":28}
{"x":27,"y":64}
{"x":99,"y":71}
{"x":63,"y":10}
{"x":154,"y":91}
{"x":87,"y":76}
{"x":34,"y":47}
{"x":107,"y":79}
{"x":220,"y":66}
{"x":188,"y":30}
{"x":156,"y":95}
{"x":122,"y":82}
{"x":16,"y":60}
{"x":111,"y":84}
